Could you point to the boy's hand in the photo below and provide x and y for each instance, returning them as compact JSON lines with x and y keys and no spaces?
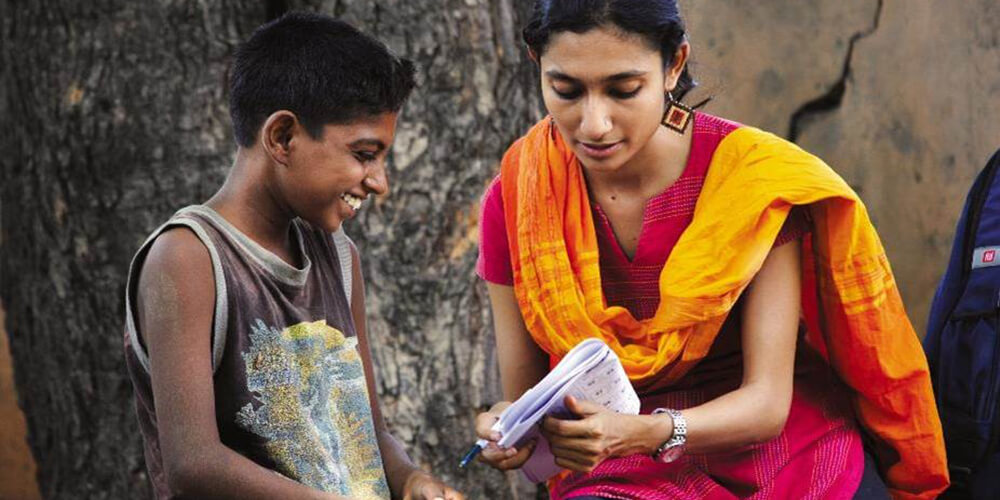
{"x":423,"y":486}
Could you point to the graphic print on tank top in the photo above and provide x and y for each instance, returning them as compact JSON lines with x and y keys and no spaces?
{"x":314,"y":410}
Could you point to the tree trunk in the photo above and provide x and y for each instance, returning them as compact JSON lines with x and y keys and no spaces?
{"x":114,"y":115}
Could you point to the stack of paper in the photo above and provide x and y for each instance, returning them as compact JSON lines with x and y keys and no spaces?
{"x":590,"y":372}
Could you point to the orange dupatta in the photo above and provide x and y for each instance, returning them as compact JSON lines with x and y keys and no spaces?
{"x":753,"y":181}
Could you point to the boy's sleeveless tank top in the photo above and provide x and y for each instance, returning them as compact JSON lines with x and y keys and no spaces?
{"x":290,"y":389}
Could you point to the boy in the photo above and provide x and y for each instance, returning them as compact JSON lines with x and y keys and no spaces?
{"x":245,"y":328}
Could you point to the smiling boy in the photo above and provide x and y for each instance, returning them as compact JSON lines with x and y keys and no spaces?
{"x":245,"y":328}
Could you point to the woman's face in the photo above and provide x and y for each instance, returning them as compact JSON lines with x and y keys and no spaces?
{"x":605,"y":91}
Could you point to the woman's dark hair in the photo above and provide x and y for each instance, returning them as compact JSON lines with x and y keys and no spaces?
{"x":323,"y":70}
{"x":658,"y":22}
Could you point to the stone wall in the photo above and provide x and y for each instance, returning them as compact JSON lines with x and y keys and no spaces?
{"x":899,"y":97}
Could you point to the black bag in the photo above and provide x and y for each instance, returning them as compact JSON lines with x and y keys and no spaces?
{"x":962,"y":343}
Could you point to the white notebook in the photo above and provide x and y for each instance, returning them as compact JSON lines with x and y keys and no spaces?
{"x":590,"y":371}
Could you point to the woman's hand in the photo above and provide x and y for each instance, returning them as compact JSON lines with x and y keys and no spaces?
{"x":580,"y":445}
{"x":493,"y":455}
{"x":422,"y":486}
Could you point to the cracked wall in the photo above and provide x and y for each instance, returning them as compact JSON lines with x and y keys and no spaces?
{"x":913,"y":121}
{"x":762,"y":61}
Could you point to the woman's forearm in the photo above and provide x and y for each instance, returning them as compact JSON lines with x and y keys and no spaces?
{"x":747,"y":416}
{"x":522,"y":362}
{"x":756,"y":412}
{"x":744,"y":417}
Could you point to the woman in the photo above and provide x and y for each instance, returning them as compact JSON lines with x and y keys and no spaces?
{"x":693,"y":246}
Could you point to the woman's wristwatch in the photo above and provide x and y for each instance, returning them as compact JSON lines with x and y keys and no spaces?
{"x":673,"y":448}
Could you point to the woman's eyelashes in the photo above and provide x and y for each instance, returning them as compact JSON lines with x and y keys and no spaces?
{"x":624,"y":94}
{"x":570,"y":94}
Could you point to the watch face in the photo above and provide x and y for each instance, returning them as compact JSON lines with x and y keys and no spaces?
{"x":671,"y":454}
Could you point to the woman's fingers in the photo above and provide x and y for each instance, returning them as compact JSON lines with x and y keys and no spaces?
{"x":518,"y":458}
{"x":499,"y":407}
{"x":493,"y":454}
{"x":581,"y":407}
{"x":583,"y":456}
{"x":500,"y":458}
{"x":486,"y":419}
{"x":484,"y":425}
{"x":552,"y":426}
{"x":582,"y":445}
{"x":573,"y":465}
{"x":506,"y":458}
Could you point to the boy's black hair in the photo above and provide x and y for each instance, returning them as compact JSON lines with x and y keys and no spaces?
{"x":323,"y":70}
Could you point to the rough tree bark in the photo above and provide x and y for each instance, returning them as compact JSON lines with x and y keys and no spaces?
{"x":113,"y":115}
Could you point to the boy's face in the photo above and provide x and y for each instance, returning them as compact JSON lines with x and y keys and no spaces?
{"x":325,"y":179}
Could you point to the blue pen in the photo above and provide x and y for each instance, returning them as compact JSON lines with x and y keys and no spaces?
{"x":476,"y":448}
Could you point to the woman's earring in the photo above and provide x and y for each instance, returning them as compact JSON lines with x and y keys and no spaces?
{"x":677,"y":116}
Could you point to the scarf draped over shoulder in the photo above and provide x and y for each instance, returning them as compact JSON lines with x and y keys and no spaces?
{"x":851,"y":306}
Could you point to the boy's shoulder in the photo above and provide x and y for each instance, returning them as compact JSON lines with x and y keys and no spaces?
{"x":176,"y":274}
{"x":171,"y":276}
{"x":175,"y":248}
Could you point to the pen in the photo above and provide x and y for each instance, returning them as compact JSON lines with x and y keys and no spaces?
{"x":476,"y":448}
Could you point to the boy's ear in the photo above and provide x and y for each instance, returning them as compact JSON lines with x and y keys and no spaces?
{"x":276,"y":135}
{"x":533,"y":55}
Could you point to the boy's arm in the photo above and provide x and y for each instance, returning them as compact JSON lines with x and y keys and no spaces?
{"x":406,"y":480}
{"x":175,"y":304}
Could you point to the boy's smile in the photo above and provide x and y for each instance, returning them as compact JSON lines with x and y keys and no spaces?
{"x":326,"y":180}
{"x":352,"y":201}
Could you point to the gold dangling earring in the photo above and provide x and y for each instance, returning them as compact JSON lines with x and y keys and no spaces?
{"x":677,"y":115}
